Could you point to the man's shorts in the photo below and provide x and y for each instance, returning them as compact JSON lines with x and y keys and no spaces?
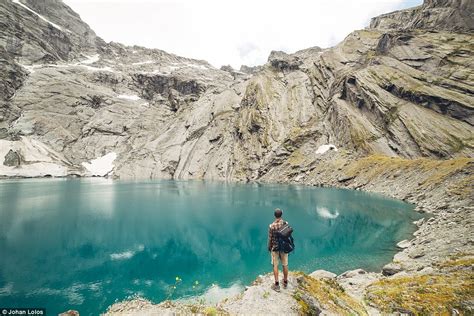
{"x":279,"y":256}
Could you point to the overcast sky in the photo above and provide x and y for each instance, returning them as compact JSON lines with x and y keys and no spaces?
{"x":231,"y":32}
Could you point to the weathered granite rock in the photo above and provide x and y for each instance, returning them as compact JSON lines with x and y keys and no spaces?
{"x":12,"y":159}
{"x":452,"y":15}
{"x":404,"y":244}
{"x":284,"y":62}
{"x":391,"y":269}
{"x":322,"y":274}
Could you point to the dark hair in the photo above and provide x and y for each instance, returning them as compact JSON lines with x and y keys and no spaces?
{"x":278,"y":213}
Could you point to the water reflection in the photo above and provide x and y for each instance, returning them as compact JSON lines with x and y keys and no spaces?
{"x":84,"y":243}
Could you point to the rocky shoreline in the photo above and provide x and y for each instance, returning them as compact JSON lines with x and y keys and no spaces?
{"x":442,"y":247}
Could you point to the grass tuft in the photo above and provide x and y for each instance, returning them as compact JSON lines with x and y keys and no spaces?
{"x":326,"y":293}
{"x":431,"y":294}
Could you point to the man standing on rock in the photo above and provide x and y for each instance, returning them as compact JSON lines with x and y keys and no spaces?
{"x":277,"y":254}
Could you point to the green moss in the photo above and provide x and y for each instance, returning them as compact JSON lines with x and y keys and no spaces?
{"x":433,"y":294}
{"x":362,"y":139}
{"x":434,"y":171}
{"x":460,"y":260}
{"x":391,"y":115}
{"x":456,"y":144}
{"x":329,"y":294}
{"x":210,"y":311}
{"x":371,"y":54}
{"x":296,"y":158}
{"x":200,"y":309}
{"x":254,"y":96}
{"x":304,"y":307}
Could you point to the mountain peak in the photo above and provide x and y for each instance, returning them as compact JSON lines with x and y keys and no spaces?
{"x":448,"y":15}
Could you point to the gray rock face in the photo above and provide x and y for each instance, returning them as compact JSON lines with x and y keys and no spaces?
{"x":284,"y":62}
{"x":450,"y":15}
{"x":44,"y":31}
{"x":12,"y":159}
{"x":395,"y":92}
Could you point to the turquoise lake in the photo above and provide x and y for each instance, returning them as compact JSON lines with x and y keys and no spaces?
{"x":84,"y":243}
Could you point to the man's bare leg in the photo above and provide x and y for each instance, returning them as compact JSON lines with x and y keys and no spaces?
{"x":275,"y":272}
{"x":285,"y":273}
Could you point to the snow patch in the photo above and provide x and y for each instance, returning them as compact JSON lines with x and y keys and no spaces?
{"x":39,"y":15}
{"x":97,"y":69}
{"x":129,"y":97}
{"x":126,"y":254}
{"x":122,"y":255}
{"x":143,"y":63}
{"x":90,"y":60}
{"x":197,"y":66}
{"x":30,"y":69}
{"x":323,"y":148}
{"x":173,"y":68}
{"x":101,"y":166}
{"x":83,"y":64}
{"x":325,"y":213}
{"x":214,"y":294}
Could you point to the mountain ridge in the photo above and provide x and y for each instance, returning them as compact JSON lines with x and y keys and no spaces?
{"x":185,"y":119}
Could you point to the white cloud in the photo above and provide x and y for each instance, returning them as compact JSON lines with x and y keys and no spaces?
{"x":230,"y":32}
{"x":325,"y":213}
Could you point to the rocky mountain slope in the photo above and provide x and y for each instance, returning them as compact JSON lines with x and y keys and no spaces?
{"x":389,"y":109}
{"x":395,"y":89}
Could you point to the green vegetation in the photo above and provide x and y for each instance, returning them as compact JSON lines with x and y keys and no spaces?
{"x":431,"y":294}
{"x":172,"y":288}
{"x":254,"y":96}
{"x":434,"y":171}
{"x":459,"y":260}
{"x":203,"y":310}
{"x":297,"y":158}
{"x":328,"y":294}
{"x":361,"y":138}
{"x":391,"y":115}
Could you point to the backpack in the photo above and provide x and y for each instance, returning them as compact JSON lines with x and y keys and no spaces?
{"x":285,"y":240}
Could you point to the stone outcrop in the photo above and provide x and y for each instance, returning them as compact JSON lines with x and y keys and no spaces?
{"x":450,"y":15}
{"x":12,"y":159}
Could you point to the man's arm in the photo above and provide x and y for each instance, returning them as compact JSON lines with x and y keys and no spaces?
{"x":270,"y":235}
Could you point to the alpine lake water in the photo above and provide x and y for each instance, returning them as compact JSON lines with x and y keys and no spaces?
{"x":84,"y":244}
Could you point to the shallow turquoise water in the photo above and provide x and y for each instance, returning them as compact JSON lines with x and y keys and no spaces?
{"x":82,"y":244}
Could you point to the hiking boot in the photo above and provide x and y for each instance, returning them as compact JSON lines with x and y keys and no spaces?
{"x":276,"y":287}
{"x":285,"y":284}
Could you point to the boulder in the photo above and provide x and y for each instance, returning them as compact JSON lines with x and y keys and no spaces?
{"x":322,"y":274}
{"x":283,"y":61}
{"x":12,"y":159}
{"x":352,"y":273}
{"x":404,"y":244}
{"x":391,"y":269}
